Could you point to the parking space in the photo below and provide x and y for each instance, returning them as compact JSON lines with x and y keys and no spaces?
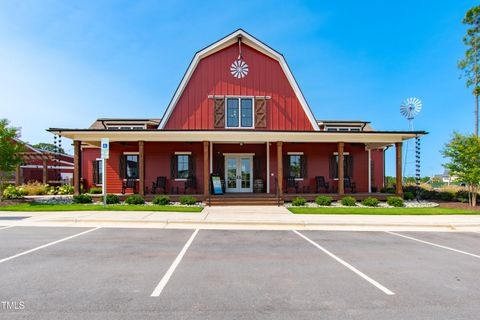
{"x":462,"y":241}
{"x":223,"y":274}
{"x":14,"y":240}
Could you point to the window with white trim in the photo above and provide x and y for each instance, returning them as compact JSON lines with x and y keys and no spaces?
{"x":182,"y":166}
{"x":131,"y":166}
{"x":239,"y":112}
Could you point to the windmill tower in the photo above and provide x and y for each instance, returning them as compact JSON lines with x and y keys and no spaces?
{"x":409,"y":109}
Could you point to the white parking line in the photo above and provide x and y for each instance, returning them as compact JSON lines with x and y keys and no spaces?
{"x":349,"y":266}
{"x":47,"y":245}
{"x":7,"y":227}
{"x":161,"y":285}
{"x":433,"y":244}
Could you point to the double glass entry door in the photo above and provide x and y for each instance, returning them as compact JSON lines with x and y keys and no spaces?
{"x":238,"y":171}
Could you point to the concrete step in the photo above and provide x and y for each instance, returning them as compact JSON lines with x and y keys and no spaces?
{"x":231,"y":201}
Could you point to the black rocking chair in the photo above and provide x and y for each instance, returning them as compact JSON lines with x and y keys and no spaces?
{"x":321,"y":184}
{"x":130,"y":183}
{"x":160,"y":183}
{"x":349,"y":184}
{"x":291,"y":183}
{"x":190,"y":183}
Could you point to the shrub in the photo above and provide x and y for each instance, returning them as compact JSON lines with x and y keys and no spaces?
{"x":134,"y":199}
{"x":34,"y":188}
{"x":462,"y":196}
{"x":188,"y":200}
{"x":52,"y":190}
{"x":12,"y":192}
{"x":387,"y":190}
{"x":95,"y":190}
{"x":446,"y":195}
{"x":112,"y":199}
{"x":65,"y":189}
{"x":297,"y":202}
{"x":408,"y":195}
{"x":395,"y":201}
{"x":323,"y":200}
{"x":370,"y":202}
{"x":161,"y":200}
{"x":82,"y":198}
{"x":428,"y":194}
{"x":349,"y":201}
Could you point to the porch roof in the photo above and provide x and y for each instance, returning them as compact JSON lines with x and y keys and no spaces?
{"x":374,"y":138}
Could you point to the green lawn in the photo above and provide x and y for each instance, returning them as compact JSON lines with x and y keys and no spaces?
{"x":90,"y":207}
{"x":382,"y":211}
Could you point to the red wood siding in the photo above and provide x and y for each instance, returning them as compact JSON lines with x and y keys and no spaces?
{"x":318,"y":157}
{"x":212,"y":77}
{"x":158,"y":155}
{"x":157,"y":163}
{"x":89,"y":155}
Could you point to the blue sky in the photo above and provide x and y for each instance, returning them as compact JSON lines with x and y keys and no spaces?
{"x":65,"y":63}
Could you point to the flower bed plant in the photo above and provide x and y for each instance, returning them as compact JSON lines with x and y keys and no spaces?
{"x":12,"y":192}
{"x":82,"y":198}
{"x":112,"y":199}
{"x":95,"y":190}
{"x":349,"y":201}
{"x":135,"y":199}
{"x":370,"y":202}
{"x":188,"y":200}
{"x":161,"y":200}
{"x":395,"y":202}
{"x":323,"y":200}
{"x":299,"y":201}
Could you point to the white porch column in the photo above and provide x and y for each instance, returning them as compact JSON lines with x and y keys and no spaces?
{"x":211,"y":157}
{"x":268,"y":166}
{"x":369,"y":163}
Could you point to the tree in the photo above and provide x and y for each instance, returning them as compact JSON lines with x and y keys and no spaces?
{"x":9,"y":151}
{"x":470,"y":63}
{"x":464,"y":154}
{"x":48,"y":147}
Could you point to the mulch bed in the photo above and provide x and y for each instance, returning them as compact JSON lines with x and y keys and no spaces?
{"x":457,"y":205}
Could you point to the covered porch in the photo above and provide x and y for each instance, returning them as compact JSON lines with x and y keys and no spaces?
{"x":290,"y":163}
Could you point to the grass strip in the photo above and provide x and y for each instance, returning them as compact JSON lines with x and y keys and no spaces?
{"x":383,"y":211}
{"x":31,"y":207}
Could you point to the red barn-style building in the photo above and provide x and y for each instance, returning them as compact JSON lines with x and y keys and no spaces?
{"x":239,"y":114}
{"x":43,"y":166}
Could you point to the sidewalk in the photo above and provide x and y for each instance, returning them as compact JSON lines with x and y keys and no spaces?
{"x":243,"y":217}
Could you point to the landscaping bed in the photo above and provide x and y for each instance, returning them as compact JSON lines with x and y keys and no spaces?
{"x":372,"y":206}
{"x":30,"y":207}
{"x":381,"y":211}
{"x":85,"y":202}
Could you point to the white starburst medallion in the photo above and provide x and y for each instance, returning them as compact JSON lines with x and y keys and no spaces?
{"x":239,"y":69}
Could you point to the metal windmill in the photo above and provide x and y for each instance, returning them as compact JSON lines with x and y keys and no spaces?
{"x":409,"y":109}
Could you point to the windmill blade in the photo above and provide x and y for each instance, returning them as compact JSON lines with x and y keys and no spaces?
{"x":410,"y":108}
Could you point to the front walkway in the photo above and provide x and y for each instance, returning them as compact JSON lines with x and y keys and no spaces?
{"x":241,"y":217}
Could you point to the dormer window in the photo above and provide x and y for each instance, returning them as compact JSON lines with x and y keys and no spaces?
{"x":239,"y":112}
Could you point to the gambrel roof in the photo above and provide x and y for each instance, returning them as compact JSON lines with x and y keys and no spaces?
{"x":224,"y":43}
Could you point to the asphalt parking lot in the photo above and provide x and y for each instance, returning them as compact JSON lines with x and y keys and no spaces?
{"x":114,"y":273}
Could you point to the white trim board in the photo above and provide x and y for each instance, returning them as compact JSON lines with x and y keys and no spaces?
{"x":250,"y":41}
{"x":239,"y":154}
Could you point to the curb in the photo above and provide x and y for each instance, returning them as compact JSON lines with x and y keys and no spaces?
{"x":250,"y":223}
